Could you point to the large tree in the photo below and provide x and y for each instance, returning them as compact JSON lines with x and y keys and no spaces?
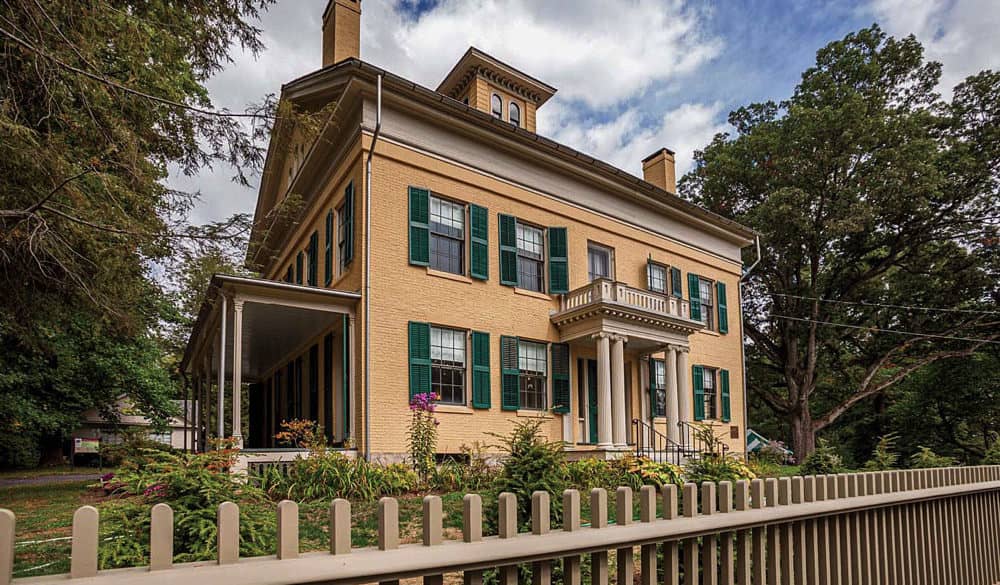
{"x":97,"y":98}
{"x":877,"y":206}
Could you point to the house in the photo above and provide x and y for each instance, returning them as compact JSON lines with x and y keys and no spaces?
{"x":429,"y":240}
{"x":178,"y":432}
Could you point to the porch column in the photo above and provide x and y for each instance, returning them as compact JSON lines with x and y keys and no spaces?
{"x":603,"y":391}
{"x":237,"y":371}
{"x":673,"y":432}
{"x":221,"y":399}
{"x":645,"y":398}
{"x":619,"y":416}
{"x":685,"y":399}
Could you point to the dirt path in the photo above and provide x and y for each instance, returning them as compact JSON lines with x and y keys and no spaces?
{"x":46,"y":479}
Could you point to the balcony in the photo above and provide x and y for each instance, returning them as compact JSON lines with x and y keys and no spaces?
{"x":610,"y":306}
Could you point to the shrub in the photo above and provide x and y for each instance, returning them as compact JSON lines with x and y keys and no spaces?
{"x":323,"y":476}
{"x":531,"y":464}
{"x":884,"y":457}
{"x":992,"y":456}
{"x":823,"y":461}
{"x":193,"y":485}
{"x":763,"y":466}
{"x":135,"y":445}
{"x":475,"y":474}
{"x":649,"y":472}
{"x":423,"y":434}
{"x":925,"y":458}
{"x":716,"y":467}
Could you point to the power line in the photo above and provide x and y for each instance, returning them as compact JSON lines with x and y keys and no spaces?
{"x":870,"y":304}
{"x":881,"y":330}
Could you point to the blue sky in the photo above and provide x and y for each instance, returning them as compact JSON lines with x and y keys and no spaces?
{"x":633,"y":75}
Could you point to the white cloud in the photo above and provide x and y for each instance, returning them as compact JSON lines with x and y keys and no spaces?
{"x":961,"y":34}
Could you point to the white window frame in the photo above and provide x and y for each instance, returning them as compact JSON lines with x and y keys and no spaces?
{"x":611,"y":259}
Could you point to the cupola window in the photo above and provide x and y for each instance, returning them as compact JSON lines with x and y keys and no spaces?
{"x":497,"y":105}
{"x":515,"y":114}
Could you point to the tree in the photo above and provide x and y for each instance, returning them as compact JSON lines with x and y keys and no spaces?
{"x":96,"y":99}
{"x":875,"y":200}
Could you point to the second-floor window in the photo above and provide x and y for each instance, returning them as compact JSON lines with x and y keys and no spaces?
{"x":496,"y":105}
{"x":530,"y":257}
{"x":706,"y":289}
{"x":532,"y":362}
{"x":598,"y":261}
{"x":342,"y":236}
{"x":448,"y":364}
{"x":447,"y":236}
{"x":657,"y":275}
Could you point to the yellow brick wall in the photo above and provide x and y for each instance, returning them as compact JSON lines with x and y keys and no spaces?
{"x":403,"y":293}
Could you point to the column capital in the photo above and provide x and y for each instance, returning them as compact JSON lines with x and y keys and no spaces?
{"x":618,"y":337}
{"x":601,"y":335}
{"x":238,"y":304}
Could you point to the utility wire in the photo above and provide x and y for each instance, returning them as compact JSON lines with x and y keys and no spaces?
{"x":881,"y":330}
{"x":869,"y":304}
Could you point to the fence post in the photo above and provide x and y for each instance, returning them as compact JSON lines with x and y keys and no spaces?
{"x":844,"y":526}
{"x":599,"y":520}
{"x":228,"y":536}
{"x":690,"y":505}
{"x":161,"y":537}
{"x":541,"y":571}
{"x":647,"y":514}
{"x":833,"y":528}
{"x":671,"y":552}
{"x":388,"y":528}
{"x":432,"y":529}
{"x":785,"y":534}
{"x":799,"y":531}
{"x":774,"y":553}
{"x":709,"y":546}
{"x":83,"y":559}
{"x":340,"y":527}
{"x":759,"y":540}
{"x":8,"y":522}
{"x":726,"y":559}
{"x":623,"y":517}
{"x":571,"y":523}
{"x":288,"y":530}
{"x":743,"y":536}
{"x":472,"y":531}
{"x":508,"y":529}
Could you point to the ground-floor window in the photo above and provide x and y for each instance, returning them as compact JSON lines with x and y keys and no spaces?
{"x":657,"y":380}
{"x":708,"y":384}
{"x":448,"y":364}
{"x":531,"y":361}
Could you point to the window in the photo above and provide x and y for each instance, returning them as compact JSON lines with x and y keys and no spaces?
{"x":447,"y":225}
{"x":708,"y":384}
{"x":342,"y":234}
{"x":497,"y":105}
{"x":514,"y":111}
{"x":657,"y":381}
{"x":705,"y":288}
{"x":530,"y":258}
{"x":657,"y":278}
{"x":448,"y":364}
{"x":598,"y":261}
{"x":531,"y":361}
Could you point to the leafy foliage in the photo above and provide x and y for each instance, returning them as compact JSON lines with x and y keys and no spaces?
{"x":530,"y":464}
{"x":422,"y":436}
{"x":823,"y":461}
{"x":925,"y":458}
{"x":473,"y":475}
{"x":992,"y":456}
{"x":716,"y":467}
{"x":884,"y":457}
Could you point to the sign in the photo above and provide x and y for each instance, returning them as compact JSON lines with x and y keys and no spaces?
{"x":81,"y":445}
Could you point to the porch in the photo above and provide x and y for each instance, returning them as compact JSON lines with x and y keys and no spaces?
{"x":262,"y":352}
{"x":613,"y":331}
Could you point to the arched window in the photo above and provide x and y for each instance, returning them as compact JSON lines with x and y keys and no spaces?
{"x":515,"y":114}
{"x":497,"y":105}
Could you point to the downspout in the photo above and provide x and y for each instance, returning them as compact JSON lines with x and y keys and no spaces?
{"x":368,"y":266}
{"x":743,"y":345}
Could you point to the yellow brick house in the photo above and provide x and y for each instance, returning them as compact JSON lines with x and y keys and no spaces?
{"x":439,"y":244}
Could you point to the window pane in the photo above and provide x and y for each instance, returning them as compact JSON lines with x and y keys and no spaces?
{"x":707,"y":314}
{"x":529,"y":274}
{"x":447,"y":254}
{"x":657,"y":278}
{"x":515,"y":114}
{"x":448,"y":364}
{"x":497,"y":105}
{"x":529,"y":241}
{"x":447,"y":218}
{"x":531,"y":357}
{"x":709,"y":388}
{"x":598,"y":262}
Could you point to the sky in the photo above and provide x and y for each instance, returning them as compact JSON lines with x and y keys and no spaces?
{"x":632,"y":75}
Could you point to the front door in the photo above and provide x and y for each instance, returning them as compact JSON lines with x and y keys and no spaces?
{"x":592,"y":399}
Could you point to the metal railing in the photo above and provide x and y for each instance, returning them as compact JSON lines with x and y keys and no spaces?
{"x":931,"y":526}
{"x":693,"y":439}
{"x":652,"y":444}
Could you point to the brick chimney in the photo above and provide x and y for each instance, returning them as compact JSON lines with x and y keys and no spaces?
{"x":658,"y":169}
{"x":341,"y":31}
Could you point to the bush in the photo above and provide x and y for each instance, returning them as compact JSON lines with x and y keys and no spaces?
{"x":135,"y":445}
{"x":531,"y":464}
{"x":324,"y":476}
{"x":884,"y":457}
{"x":649,"y":472}
{"x":763,"y":466}
{"x":927,"y":459}
{"x":716,"y":467}
{"x":473,"y":475}
{"x":423,"y":434}
{"x":823,"y":461}
{"x":992,"y":456}
{"x":193,"y":485}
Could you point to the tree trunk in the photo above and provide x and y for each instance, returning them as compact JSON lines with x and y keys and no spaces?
{"x":803,"y":435}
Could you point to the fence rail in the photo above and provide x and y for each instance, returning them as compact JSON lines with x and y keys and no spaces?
{"x":921,"y":526}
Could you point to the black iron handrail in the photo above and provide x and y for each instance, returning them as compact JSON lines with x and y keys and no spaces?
{"x":653,"y":444}
{"x":692,"y":439}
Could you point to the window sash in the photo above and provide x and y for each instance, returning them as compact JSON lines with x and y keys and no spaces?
{"x":705,"y":289}
{"x":341,"y":236}
{"x":448,"y":364}
{"x":657,"y":278}
{"x":598,"y":262}
{"x":533,"y":392}
{"x":710,"y":393}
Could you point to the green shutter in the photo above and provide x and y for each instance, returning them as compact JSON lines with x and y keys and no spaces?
{"x":420,"y":358}
{"x":479,"y":249}
{"x":724,"y":392}
{"x":510,"y":374}
{"x":652,"y":388}
{"x":558,"y":261}
{"x":675,"y":282}
{"x":345,"y":369}
{"x":480,"y":369}
{"x":560,"y":377}
{"x":348,"y":224}
{"x":694,"y":296}
{"x":698,"y":377}
{"x":420,"y":233}
{"x":313,"y":252}
{"x":508,"y":250}
{"x":720,"y":300}
{"x":290,"y":275}
{"x":328,"y":249}
{"x":298,"y":268}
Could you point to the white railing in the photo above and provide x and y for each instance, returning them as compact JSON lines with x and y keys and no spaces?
{"x":605,"y":290}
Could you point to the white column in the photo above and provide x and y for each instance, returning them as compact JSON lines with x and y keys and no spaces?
{"x":645,"y":397}
{"x":237,"y":371}
{"x":220,"y":427}
{"x":684,"y":398}
{"x":619,"y":416}
{"x":673,"y":408}
{"x":603,"y":391}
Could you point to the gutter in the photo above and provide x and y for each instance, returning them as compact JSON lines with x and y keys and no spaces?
{"x":743,"y":344}
{"x":368,"y":266}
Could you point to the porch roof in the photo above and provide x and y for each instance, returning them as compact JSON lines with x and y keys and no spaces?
{"x":278,"y":319}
